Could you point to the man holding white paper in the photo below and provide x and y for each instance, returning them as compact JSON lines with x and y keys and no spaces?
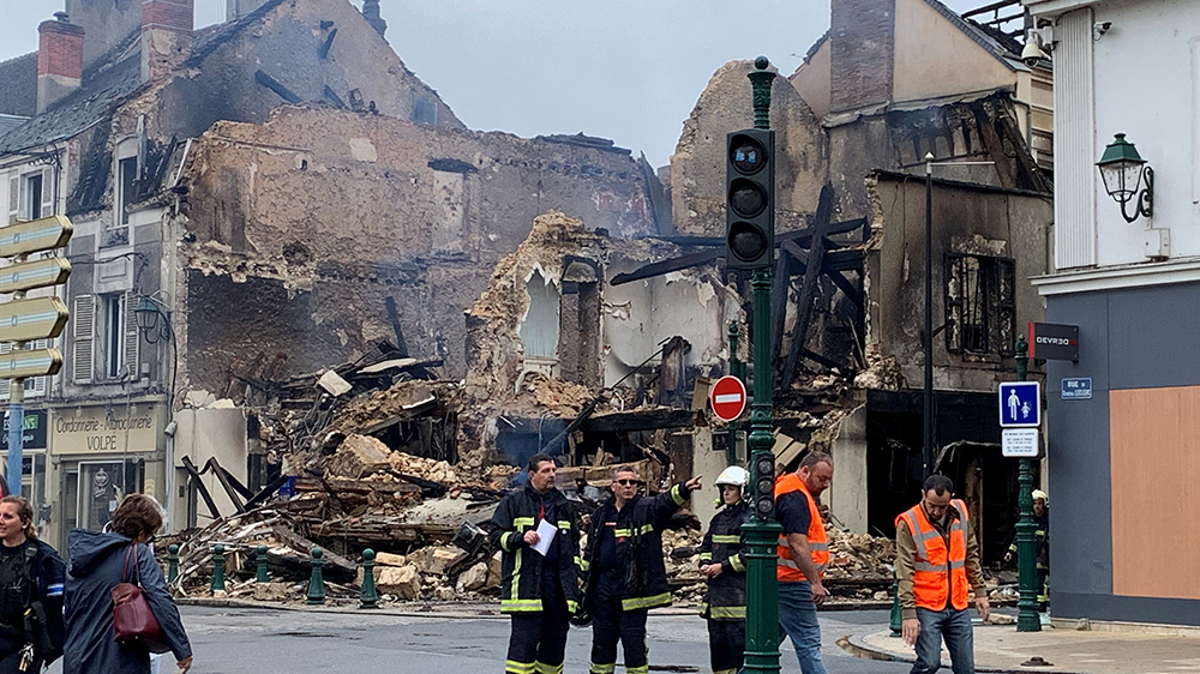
{"x":537,"y":529}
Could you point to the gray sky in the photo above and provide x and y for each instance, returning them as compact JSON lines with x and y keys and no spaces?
{"x":630,"y":70}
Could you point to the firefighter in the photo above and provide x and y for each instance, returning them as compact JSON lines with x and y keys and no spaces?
{"x":539,"y":589}
{"x":1041,"y":538}
{"x":626,"y":576}
{"x":721,"y":560}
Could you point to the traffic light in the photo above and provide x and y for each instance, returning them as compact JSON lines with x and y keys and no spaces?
{"x":764,"y":485}
{"x":750,"y":199}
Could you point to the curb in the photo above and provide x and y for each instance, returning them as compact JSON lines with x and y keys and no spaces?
{"x":483,"y":612}
{"x":853,"y":645}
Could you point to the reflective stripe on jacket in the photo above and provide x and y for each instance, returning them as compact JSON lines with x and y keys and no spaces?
{"x":786,"y":570}
{"x":521,"y":565}
{"x":938,"y":572}
{"x":725,"y":598}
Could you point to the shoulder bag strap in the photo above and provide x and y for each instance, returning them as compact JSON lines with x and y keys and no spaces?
{"x":131,"y":551}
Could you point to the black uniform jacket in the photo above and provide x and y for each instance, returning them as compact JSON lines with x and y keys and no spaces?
{"x":637,"y":532}
{"x":726,"y":595}
{"x":521,"y":565}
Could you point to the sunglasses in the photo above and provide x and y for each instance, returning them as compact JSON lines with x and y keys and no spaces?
{"x":626,"y":483}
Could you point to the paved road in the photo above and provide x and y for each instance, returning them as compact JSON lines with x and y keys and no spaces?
{"x":237,"y":641}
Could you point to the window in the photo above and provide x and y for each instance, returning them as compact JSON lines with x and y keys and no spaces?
{"x":127,"y":189}
{"x":33,"y":196}
{"x":35,"y":387}
{"x":114,"y":333}
{"x":424,"y":112}
{"x":981,"y":315}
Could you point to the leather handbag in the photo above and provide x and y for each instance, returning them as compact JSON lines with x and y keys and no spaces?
{"x":134,"y":623}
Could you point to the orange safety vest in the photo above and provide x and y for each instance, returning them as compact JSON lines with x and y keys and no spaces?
{"x":938,"y":573}
{"x":786,"y":570}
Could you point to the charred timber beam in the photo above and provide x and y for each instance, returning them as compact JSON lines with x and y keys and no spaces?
{"x":274,"y":85}
{"x":640,"y":420}
{"x":816,"y":255}
{"x":849,"y":289}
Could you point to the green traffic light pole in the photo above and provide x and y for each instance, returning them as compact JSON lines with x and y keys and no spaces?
{"x":762,"y":533}
{"x":1028,"y":619}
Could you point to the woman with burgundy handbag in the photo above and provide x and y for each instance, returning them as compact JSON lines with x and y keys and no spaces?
{"x":31,"y":592}
{"x":118,"y":571}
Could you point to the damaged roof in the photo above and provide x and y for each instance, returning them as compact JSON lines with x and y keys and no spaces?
{"x":18,"y":86}
{"x":981,"y":37}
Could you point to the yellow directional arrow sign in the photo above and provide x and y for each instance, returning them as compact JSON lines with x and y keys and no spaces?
{"x":23,"y":364}
{"x":36,"y":274}
{"x":36,"y":235}
{"x":36,"y":318}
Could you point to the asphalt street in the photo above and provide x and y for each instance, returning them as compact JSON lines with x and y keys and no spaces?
{"x":237,"y":641}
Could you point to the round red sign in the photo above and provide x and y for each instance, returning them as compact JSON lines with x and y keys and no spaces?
{"x":728,"y":398}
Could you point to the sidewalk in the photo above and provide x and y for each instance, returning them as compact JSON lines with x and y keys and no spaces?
{"x":1000,"y":648}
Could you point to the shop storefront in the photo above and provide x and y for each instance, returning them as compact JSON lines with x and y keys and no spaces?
{"x":33,"y":463}
{"x":98,"y":454}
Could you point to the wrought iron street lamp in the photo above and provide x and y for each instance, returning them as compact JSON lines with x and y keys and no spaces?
{"x":148,"y":314}
{"x":1124,"y":172}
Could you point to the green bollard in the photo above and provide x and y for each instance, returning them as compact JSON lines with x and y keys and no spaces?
{"x":896,"y":623}
{"x":316,"y":586}
{"x":218,"y":579}
{"x":367,"y":596}
{"x":260,"y":557}
{"x":172,"y":562}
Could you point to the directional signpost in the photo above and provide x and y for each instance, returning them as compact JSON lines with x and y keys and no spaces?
{"x":25,"y":320}
{"x":728,"y":397}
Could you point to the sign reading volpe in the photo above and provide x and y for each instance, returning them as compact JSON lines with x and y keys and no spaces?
{"x":95,"y":430}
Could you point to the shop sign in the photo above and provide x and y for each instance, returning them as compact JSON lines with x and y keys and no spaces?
{"x":104,"y":430}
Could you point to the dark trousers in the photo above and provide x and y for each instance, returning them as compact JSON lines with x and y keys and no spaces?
{"x":953,"y":626}
{"x":539,"y":639}
{"x":726,"y":645}
{"x":611,"y":624}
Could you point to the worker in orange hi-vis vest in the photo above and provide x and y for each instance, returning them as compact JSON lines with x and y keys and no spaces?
{"x":803,"y":556}
{"x":937,"y":564}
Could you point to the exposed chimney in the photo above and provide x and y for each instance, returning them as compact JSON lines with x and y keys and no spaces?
{"x":370,"y":12}
{"x":60,"y":59}
{"x":166,"y":36}
{"x":862,"y":36}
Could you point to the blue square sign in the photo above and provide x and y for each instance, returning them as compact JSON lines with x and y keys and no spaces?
{"x":1020,"y":404}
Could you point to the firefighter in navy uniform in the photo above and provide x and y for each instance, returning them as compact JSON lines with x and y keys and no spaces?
{"x":626,"y":575}
{"x":539,"y":592}
{"x":721,"y":560}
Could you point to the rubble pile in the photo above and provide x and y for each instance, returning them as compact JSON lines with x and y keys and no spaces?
{"x":860,"y":556}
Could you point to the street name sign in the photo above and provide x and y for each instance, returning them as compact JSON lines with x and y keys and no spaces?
{"x":1020,"y":404}
{"x":36,"y":274}
{"x":35,"y":236}
{"x":34,"y":318}
{"x":1021,"y":443}
{"x":1077,"y":388}
{"x":728,"y":397}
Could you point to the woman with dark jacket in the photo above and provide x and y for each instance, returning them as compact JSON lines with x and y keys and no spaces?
{"x":31,"y":592}
{"x":97,"y":564}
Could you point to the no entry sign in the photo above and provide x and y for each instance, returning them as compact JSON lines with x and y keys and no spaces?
{"x":728,"y":398}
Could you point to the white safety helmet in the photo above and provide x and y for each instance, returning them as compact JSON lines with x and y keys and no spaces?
{"x":1039,"y":494}
{"x":735,"y":475}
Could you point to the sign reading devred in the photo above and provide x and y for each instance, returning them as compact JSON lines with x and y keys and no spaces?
{"x":728,"y":398}
{"x":1054,"y":341}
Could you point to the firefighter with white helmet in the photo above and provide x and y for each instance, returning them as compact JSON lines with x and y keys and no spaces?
{"x":1041,"y":539}
{"x":722,"y":562}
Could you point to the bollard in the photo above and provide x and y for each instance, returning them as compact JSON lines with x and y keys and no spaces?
{"x":218,"y":579}
{"x":172,"y":562}
{"x":260,"y":557}
{"x":895,"y":623}
{"x":367,"y":596}
{"x":316,"y":586}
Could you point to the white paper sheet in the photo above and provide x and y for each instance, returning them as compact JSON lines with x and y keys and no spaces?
{"x":546,"y":531}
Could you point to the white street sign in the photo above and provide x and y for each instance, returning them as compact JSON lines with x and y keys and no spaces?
{"x":1019,"y":443}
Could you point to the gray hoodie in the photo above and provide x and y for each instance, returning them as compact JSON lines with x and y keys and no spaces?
{"x":96,"y":564}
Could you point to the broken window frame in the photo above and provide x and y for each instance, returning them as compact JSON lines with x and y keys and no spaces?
{"x":126,"y":189}
{"x":993,"y":315}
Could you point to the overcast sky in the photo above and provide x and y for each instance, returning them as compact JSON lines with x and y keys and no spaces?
{"x":630,"y":70}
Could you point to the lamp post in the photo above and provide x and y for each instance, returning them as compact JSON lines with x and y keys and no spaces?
{"x":762,"y":532}
{"x":927,"y":344}
{"x":736,"y":370}
{"x":1028,"y":619}
{"x":1124,"y":171}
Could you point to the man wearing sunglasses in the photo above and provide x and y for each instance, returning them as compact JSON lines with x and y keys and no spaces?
{"x":626,"y":574}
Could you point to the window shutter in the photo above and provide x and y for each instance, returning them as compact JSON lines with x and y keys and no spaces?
{"x":47,"y":193}
{"x":129,"y":305}
{"x":14,"y":198}
{"x":5,"y":384}
{"x":39,"y":383}
{"x":83,"y":318}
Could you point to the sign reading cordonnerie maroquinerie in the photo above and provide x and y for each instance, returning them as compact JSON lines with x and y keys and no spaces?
{"x":1054,"y":341}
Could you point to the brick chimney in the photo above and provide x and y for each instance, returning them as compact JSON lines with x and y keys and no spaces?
{"x":60,"y":59}
{"x":862,"y":36}
{"x":166,"y":36}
